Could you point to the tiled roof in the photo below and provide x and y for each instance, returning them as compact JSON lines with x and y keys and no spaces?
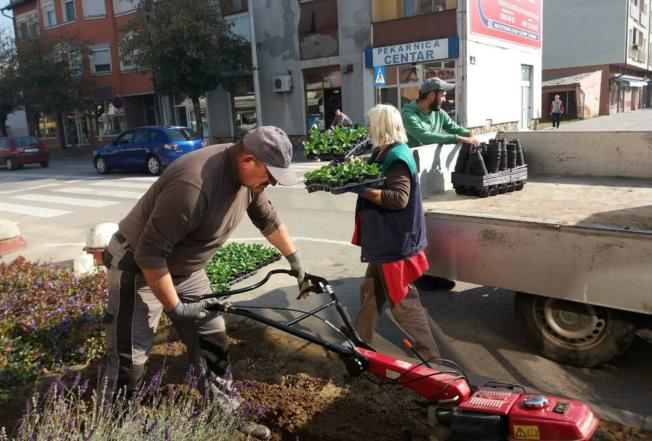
{"x":568,"y":80}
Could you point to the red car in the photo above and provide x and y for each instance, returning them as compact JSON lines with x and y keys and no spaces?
{"x":19,"y":150}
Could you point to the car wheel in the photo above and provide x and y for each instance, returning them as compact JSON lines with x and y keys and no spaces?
{"x":11,"y":165}
{"x":154,"y":166}
{"x":44,"y":164}
{"x":101,"y":166}
{"x":573,"y":333}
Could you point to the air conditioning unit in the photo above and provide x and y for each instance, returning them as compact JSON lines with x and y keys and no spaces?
{"x":282,"y":83}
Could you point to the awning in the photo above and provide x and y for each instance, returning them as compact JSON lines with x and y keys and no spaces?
{"x":631,"y":81}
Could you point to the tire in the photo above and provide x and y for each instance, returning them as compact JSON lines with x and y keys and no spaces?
{"x":573,"y":333}
{"x":101,"y":166}
{"x":11,"y":164}
{"x":153,"y":165}
{"x":45,"y":164}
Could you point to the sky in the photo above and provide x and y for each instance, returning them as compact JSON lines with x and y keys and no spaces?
{"x":5,"y":23}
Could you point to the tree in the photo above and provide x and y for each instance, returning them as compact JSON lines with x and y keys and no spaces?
{"x":8,"y":89}
{"x":51,"y":79}
{"x":187,"y":45}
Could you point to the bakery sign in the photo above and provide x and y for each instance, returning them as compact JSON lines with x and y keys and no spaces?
{"x":408,"y":53}
{"x":516,"y":21}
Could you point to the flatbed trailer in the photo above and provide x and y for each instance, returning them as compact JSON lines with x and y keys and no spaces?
{"x":577,"y":251}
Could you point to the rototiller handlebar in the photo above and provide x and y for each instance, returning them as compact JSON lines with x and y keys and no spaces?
{"x":494,"y":411}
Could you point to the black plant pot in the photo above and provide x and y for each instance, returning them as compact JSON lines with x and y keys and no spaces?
{"x":462,"y":158}
{"x":476,"y":163}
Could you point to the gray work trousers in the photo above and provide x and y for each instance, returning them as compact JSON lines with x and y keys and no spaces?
{"x":131,"y":319}
{"x":409,"y":314}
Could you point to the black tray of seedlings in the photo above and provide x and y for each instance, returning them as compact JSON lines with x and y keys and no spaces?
{"x":238,"y":261}
{"x":343,"y":188}
{"x":490,"y":169}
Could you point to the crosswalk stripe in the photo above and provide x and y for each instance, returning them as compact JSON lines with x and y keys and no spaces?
{"x":140,"y":178}
{"x":36,"y":187}
{"x":94,"y":203}
{"x":97,"y":192}
{"x":31,"y":211}
{"x":121,"y":184}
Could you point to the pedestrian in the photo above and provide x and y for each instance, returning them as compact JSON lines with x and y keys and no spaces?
{"x":340,"y":119}
{"x":427,"y":123}
{"x":158,"y":256}
{"x":556,"y":111}
{"x":390,"y":229}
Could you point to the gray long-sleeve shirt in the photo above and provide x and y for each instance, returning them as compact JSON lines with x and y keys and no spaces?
{"x":191,"y":210}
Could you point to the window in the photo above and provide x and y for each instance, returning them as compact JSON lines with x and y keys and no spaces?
{"x":318,"y":33}
{"x":26,"y":141}
{"x":127,"y":59}
{"x":124,"y":6}
{"x":70,"y":57}
{"x":94,"y":8}
{"x":383,"y":10}
{"x":125,"y":138}
{"x":142,"y":136}
{"x":69,"y":10}
{"x":49,"y":15}
{"x":100,"y":59}
{"x":228,"y":7}
{"x":28,"y":25}
{"x":402,"y":82}
{"x":243,"y":106}
{"x":181,"y":134}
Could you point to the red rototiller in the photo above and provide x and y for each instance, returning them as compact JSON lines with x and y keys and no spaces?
{"x":491,"y":412}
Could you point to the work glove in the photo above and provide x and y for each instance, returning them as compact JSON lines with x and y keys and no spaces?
{"x":296,"y":265}
{"x":193,"y":312}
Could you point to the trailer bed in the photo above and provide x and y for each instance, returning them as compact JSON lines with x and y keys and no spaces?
{"x":620,"y":203}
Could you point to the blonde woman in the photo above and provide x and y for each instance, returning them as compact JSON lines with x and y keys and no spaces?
{"x":390,"y":229}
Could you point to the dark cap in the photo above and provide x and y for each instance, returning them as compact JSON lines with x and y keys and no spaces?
{"x":272,"y":146}
{"x":435,"y":84}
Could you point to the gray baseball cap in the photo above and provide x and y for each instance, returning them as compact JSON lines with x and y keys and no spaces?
{"x":435,"y":83}
{"x":272,"y":146}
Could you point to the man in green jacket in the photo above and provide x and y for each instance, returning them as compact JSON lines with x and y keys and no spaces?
{"x":427,"y":123}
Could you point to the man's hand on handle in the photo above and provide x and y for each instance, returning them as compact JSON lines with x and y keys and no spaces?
{"x":296,"y":265}
{"x":189,"y":312}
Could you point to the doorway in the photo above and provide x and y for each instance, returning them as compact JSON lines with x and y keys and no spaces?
{"x":332,"y":101}
{"x":75,"y":129}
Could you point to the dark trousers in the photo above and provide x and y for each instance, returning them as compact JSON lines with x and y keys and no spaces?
{"x":131,"y":319}
{"x":556,"y":117}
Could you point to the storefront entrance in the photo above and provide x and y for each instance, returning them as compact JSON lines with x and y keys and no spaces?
{"x":323,"y":94}
{"x":76,"y":129}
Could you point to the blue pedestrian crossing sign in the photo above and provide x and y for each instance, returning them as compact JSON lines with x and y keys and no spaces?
{"x":379,"y":76}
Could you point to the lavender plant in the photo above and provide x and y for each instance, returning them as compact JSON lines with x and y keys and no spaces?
{"x":49,"y":319}
{"x":64,"y":413}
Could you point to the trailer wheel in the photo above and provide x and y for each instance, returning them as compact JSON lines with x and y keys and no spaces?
{"x":573,"y":333}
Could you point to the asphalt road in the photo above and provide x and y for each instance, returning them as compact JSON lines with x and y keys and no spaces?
{"x":474,"y":325}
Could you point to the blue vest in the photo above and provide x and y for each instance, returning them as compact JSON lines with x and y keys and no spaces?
{"x":392,"y":235}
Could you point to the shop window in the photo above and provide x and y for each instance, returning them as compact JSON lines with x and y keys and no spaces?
{"x":69,"y":13}
{"x":402,"y":83}
{"x":228,"y":7}
{"x":94,"y":8}
{"x":318,"y":34}
{"x":383,"y":10}
{"x":100,"y":56}
{"x":46,"y":126}
{"x":243,"y":106}
{"x":109,"y":120}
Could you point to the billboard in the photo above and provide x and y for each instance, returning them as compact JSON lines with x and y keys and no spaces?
{"x":516,"y":21}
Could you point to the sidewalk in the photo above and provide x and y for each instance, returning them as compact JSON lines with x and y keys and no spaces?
{"x":637,"y":121}
{"x":72,"y":152}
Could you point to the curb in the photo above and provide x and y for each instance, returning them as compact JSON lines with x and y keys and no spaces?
{"x":10,"y":238}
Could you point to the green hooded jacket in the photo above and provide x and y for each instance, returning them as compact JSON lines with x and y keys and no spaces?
{"x":425,"y":128}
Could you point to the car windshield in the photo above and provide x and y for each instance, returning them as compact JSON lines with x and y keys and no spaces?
{"x":24,"y":141}
{"x":181,"y":134}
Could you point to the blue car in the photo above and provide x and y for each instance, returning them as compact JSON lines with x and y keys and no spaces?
{"x":150,"y":148}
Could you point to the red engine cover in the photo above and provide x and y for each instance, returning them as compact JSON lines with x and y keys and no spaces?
{"x":560,"y":419}
{"x":428,"y":383}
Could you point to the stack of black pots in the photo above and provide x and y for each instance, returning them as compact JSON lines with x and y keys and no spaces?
{"x":491,"y":168}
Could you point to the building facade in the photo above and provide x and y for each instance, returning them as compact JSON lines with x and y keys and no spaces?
{"x":311,"y":56}
{"x":124,"y":95}
{"x":617,"y":43}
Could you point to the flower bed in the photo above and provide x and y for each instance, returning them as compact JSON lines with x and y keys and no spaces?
{"x":49,"y":319}
{"x":339,"y":177}
{"x":333,"y":144}
{"x":237,"y":261}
